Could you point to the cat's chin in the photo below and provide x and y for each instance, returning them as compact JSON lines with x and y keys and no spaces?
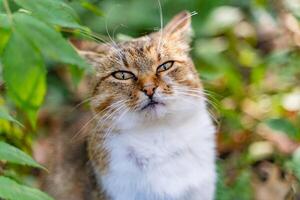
{"x":154,"y":110}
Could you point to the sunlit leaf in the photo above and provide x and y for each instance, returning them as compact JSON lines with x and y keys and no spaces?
{"x":11,"y":190}
{"x":13,"y":155}
{"x":47,"y":40}
{"x":24,"y":73}
{"x":5,"y":34}
{"x":52,"y":11}
{"x":5,"y":115}
{"x":87,"y":5}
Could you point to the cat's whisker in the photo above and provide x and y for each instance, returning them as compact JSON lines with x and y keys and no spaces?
{"x":114,"y":44}
{"x":126,"y":110}
{"x":112,"y":125}
{"x":211,"y":114}
{"x":212,"y":100}
{"x":161,"y":26}
{"x":94,"y":117}
{"x":116,"y":28}
{"x":82,"y":102}
{"x":113,"y":108}
{"x":200,"y":95}
{"x":103,"y":120}
{"x":103,"y":42}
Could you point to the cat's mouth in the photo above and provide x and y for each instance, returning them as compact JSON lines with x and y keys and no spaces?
{"x":152,"y":104}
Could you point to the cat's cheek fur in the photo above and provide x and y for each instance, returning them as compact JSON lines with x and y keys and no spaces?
{"x":162,"y":161}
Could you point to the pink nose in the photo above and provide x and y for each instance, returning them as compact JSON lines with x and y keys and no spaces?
{"x":149,"y":90}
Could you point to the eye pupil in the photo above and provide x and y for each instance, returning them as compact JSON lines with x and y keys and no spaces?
{"x":165,"y":66}
{"x":123,"y":75}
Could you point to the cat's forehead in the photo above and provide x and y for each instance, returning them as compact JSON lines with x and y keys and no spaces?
{"x":140,"y":54}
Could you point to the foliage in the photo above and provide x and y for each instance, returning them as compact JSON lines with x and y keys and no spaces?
{"x":246,"y":52}
{"x":12,"y":190}
{"x":29,"y":38}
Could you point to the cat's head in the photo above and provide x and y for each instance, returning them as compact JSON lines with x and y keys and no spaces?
{"x":151,"y":78}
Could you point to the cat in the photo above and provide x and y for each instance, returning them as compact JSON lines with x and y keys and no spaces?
{"x":153,"y":138}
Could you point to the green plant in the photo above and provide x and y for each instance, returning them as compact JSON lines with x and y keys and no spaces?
{"x":30,"y":37}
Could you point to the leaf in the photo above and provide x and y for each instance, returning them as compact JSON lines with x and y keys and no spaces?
{"x":76,"y":74}
{"x":1,"y":6}
{"x":5,"y":35}
{"x":47,"y":40}
{"x":13,"y":155}
{"x":283,"y":125}
{"x":236,"y":190}
{"x":24,"y":73}
{"x":11,"y":190}
{"x":52,"y":11}
{"x":296,"y":163}
{"x":87,"y":5}
{"x":5,"y":115}
{"x":4,"y":21}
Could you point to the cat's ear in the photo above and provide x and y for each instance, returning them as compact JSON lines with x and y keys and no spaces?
{"x":92,"y":52}
{"x":179,"y":28}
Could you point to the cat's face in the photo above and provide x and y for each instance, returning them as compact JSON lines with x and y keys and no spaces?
{"x":149,"y":78}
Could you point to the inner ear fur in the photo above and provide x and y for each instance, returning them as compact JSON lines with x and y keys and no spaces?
{"x":179,"y":26}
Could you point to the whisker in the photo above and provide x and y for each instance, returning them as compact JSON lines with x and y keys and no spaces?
{"x":104,"y":119}
{"x":114,"y":124}
{"x":161,"y":25}
{"x":82,"y":102}
{"x":95,"y":116}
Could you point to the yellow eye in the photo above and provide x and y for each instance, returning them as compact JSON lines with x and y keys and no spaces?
{"x":123,"y":75}
{"x":165,"y":66}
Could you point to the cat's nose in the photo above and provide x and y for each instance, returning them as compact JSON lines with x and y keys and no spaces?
{"x":149,"y":90}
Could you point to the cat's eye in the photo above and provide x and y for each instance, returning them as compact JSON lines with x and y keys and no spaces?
{"x":123,"y":75}
{"x":165,"y":66}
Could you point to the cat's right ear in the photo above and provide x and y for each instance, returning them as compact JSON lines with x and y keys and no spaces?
{"x":92,"y":52}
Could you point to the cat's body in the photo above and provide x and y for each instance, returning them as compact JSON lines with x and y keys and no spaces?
{"x":163,"y":162}
{"x":153,"y":138}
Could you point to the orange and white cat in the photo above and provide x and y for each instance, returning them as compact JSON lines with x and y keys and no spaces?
{"x":153,"y":138}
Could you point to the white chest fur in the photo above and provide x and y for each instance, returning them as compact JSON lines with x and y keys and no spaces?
{"x":163,"y":162}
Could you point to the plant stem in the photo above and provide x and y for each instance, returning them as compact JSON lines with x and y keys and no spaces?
{"x":7,"y":9}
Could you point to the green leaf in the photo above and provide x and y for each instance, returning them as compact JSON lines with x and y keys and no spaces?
{"x":47,"y":40}
{"x":5,"y":115}
{"x":52,"y":11}
{"x":1,"y":6}
{"x":77,"y":74}
{"x":237,"y":189}
{"x":94,"y":9}
{"x":13,"y":155}
{"x":283,"y":125}
{"x":4,"y":21}
{"x":5,"y":34}
{"x":296,"y":163}
{"x":24,"y":73}
{"x":11,"y":190}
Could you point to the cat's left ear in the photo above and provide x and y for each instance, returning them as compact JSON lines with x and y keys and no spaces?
{"x":179,"y":28}
{"x":91,"y":51}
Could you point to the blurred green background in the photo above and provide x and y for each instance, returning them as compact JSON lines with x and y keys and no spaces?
{"x":247,"y":55}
